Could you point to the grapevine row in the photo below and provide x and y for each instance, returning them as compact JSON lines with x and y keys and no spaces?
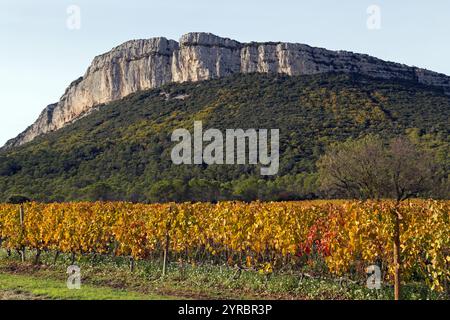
{"x":266,"y":236}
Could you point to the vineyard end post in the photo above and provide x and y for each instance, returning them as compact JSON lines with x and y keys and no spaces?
{"x":166,"y":255}
{"x":22,"y":227}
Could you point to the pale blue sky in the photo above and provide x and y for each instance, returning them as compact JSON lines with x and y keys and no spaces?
{"x":40,"y":56}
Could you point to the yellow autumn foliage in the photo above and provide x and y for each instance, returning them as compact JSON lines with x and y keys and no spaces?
{"x":262,"y":235}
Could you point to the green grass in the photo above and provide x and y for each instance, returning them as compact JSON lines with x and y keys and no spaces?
{"x":47,"y":288}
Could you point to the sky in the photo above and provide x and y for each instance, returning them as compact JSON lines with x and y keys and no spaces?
{"x":43,"y":49}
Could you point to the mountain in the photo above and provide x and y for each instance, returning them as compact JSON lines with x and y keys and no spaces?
{"x":121,"y":150}
{"x":145,"y":64}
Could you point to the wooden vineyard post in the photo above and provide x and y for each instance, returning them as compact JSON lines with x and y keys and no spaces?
{"x":131,"y":264}
{"x":166,"y":255}
{"x":22,"y":218}
{"x":397,"y":257}
{"x":172,"y":212}
{"x":397,"y":261}
{"x":55,"y":259}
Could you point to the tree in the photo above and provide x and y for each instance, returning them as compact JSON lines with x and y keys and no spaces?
{"x":99,"y":191}
{"x":368,"y":168}
{"x":8,"y":167}
{"x":203,"y":190}
{"x":168,"y":190}
{"x":249,"y":189}
{"x":17,"y":199}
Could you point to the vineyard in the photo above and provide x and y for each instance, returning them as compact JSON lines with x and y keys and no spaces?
{"x":347,"y":236}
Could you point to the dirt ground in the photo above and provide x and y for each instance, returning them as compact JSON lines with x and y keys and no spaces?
{"x":18,"y":295}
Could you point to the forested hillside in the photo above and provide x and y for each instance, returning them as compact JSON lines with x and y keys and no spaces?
{"x":121,"y":151}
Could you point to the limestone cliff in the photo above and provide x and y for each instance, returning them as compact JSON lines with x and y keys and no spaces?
{"x":145,"y":64}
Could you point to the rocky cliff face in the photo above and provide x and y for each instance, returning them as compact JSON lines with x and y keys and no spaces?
{"x":145,"y":64}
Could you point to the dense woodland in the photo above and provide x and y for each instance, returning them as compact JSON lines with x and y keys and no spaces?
{"x":122,"y":150}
